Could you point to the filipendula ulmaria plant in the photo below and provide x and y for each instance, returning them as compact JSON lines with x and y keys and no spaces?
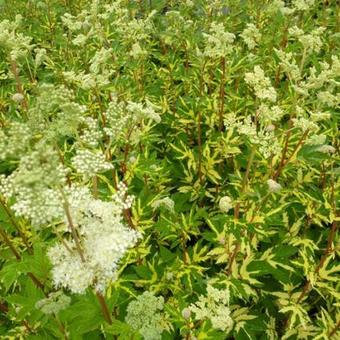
{"x":221,"y":117}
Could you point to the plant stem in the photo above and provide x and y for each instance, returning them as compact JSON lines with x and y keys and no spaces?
{"x":222,"y":94}
{"x":237,"y":208}
{"x":327,"y":252}
{"x":284,"y":162}
{"x":19,"y":87}
{"x":16,"y":226}
{"x":104,"y":307}
{"x":72,"y":227}
{"x":334,"y":330}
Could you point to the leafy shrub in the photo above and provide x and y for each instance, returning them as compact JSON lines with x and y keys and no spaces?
{"x":169,"y":169}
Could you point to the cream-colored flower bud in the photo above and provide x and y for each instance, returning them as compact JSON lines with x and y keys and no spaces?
{"x":186,"y":313}
{"x":225,"y":204}
{"x":273,"y":185}
{"x":18,"y":97}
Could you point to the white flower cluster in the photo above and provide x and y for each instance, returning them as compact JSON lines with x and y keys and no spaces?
{"x":121,"y":116}
{"x":327,"y":76}
{"x":140,"y":111}
{"x":16,"y":44}
{"x":318,"y":116}
{"x":251,"y":36}
{"x":279,"y":5}
{"x":104,"y":241}
{"x":261,"y":84}
{"x":18,"y":98}
{"x":117,"y":119}
{"x":15,"y":141}
{"x":215,"y":307}
{"x":145,"y":314}
{"x":316,"y":139}
{"x":328,"y":98}
{"x":33,"y":185}
{"x":55,"y":112}
{"x":88,"y":23}
{"x":218,"y":41}
{"x":269,"y":114}
{"x":305,"y":124}
{"x":273,"y":186}
{"x":177,"y":26}
{"x":99,"y":74}
{"x":134,"y":30}
{"x":326,"y":149}
{"x":265,"y":138}
{"x":87,"y":81}
{"x":311,"y":42}
{"x":137,"y":52}
{"x":54,"y":303}
{"x":225,"y":204}
{"x":288,"y":64}
{"x":100,"y":60}
{"x":89,"y":163}
{"x":303,"y":5}
{"x":165,"y":202}
{"x":40,"y":56}
{"x":121,"y":199}
{"x":91,"y":134}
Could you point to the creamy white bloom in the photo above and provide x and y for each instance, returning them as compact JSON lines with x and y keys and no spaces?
{"x":219,"y":43}
{"x":261,"y":84}
{"x":186,"y":313}
{"x":90,"y":163}
{"x":104,"y":240}
{"x":214,"y":306}
{"x":18,"y":97}
{"x":54,"y":303}
{"x":273,"y":185}
{"x":166,"y":202}
{"x":303,"y":5}
{"x":326,"y":148}
{"x":145,"y":314}
{"x":251,"y":36}
{"x":305,"y":124}
{"x":225,"y":204}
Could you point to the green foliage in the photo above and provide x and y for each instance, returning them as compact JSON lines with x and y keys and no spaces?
{"x":187,"y":103}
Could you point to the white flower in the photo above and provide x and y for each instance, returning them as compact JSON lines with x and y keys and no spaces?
{"x":214,"y":306}
{"x":166,"y":202}
{"x":251,"y":36}
{"x":90,"y":163}
{"x":225,"y":204}
{"x":316,"y":140}
{"x":218,"y":41}
{"x":145,"y":314}
{"x":303,"y":5}
{"x":103,"y":237}
{"x":40,"y":56}
{"x":54,"y":303}
{"x":304,"y":124}
{"x":18,"y":97}
{"x":326,"y":149}
{"x":270,"y":114}
{"x":273,"y":185}
{"x":186,"y":313}
{"x":137,"y":52}
{"x":261,"y":84}
{"x":317,"y":116}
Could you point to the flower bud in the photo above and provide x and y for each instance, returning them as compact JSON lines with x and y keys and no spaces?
{"x":186,"y":313}
{"x":225,"y":204}
{"x":18,"y":97}
{"x":273,"y":186}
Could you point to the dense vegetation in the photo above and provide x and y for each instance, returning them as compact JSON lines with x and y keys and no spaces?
{"x":169,"y":169}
